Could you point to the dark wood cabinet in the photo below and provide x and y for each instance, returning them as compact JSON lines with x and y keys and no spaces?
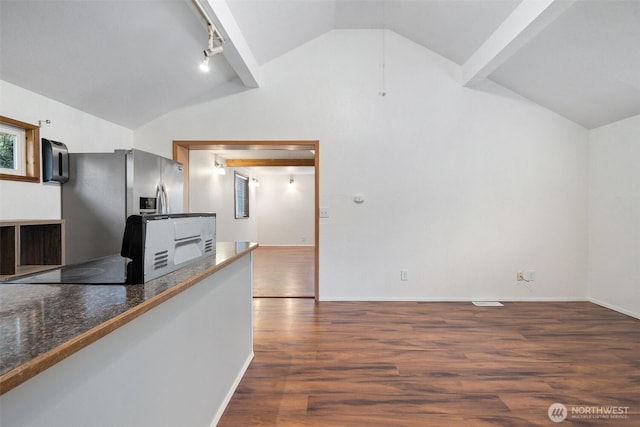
{"x":30,"y":246}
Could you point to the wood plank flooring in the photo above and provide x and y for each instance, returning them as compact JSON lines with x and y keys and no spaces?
{"x":283,"y":271}
{"x":436,"y":364}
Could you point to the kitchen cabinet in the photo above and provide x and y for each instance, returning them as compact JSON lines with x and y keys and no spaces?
{"x":28,"y":246}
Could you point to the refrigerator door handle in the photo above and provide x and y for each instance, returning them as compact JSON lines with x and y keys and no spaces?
{"x":165,"y":200}
{"x":159,"y":207}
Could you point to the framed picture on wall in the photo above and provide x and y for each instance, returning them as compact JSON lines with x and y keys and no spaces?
{"x":241,"y":195}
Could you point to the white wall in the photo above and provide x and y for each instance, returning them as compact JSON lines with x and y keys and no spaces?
{"x":463,"y":188}
{"x":280,"y":213}
{"x":210,"y":192}
{"x":614,"y":216}
{"x":81,"y":132}
{"x":286,"y":210}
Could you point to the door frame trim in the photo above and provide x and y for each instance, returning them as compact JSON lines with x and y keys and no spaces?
{"x":181,"y":149}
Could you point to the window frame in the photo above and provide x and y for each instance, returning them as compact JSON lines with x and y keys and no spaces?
{"x":30,"y":162}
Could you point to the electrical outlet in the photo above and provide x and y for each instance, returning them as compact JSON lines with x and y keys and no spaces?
{"x":520,"y":276}
{"x":404,"y":275}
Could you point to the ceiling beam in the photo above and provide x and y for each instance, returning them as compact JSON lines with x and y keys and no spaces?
{"x":245,"y":163}
{"x":236,"y":49}
{"x":525,"y":22}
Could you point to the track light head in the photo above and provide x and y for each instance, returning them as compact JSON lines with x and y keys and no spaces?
{"x":204,"y":66}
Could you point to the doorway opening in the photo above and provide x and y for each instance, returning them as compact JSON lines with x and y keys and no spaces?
{"x":182,"y":149}
{"x":283,"y":272}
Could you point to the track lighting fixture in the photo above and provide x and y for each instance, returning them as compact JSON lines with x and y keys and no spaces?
{"x":214,"y":47}
{"x":215,"y":38}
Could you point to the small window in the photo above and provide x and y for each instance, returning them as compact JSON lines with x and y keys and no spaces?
{"x":12,"y":150}
{"x":19,"y":151}
{"x":241,"y":195}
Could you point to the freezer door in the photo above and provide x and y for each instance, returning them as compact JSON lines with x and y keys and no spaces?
{"x":172,"y":186}
{"x":93,"y":205}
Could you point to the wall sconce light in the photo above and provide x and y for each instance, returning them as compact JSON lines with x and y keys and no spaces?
{"x":220,"y":165}
{"x":291,"y":181}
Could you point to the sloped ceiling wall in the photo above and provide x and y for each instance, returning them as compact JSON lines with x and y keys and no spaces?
{"x":132,"y":61}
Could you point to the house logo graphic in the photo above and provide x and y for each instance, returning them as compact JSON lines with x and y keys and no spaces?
{"x":557,"y":412}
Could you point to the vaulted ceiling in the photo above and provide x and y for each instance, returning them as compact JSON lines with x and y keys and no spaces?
{"x":130,"y":61}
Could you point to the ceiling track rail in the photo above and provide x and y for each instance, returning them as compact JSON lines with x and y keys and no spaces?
{"x":213,"y":31}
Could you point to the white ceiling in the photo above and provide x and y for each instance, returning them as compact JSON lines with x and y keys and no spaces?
{"x":130,"y":61}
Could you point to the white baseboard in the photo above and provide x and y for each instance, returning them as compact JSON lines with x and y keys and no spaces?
{"x":454,"y":299}
{"x":229,"y":395}
{"x":306,"y":245}
{"x":467,"y":299}
{"x":615,"y":308}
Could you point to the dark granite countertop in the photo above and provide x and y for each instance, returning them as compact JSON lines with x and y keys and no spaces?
{"x":41,"y":325}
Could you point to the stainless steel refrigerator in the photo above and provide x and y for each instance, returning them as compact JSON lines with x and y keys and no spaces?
{"x":105,"y":188}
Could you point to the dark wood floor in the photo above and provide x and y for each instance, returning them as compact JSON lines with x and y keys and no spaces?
{"x":283,"y":271}
{"x":435,"y":364}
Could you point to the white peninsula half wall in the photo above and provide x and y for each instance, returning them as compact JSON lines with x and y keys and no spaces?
{"x":169,"y":352}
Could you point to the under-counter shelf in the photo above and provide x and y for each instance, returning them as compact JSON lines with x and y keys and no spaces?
{"x":29,"y":246}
